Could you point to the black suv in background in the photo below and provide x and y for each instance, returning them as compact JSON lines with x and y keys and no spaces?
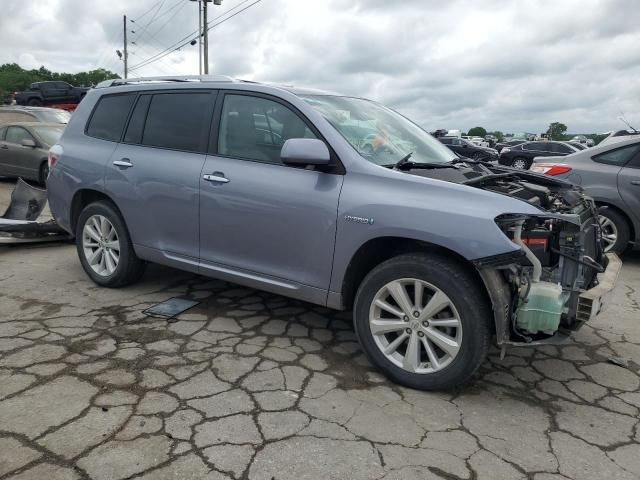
{"x":521,"y":156}
{"x":49,"y":93}
{"x":467,"y":149}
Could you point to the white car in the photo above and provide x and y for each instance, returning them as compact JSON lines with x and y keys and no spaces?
{"x":479,"y":141}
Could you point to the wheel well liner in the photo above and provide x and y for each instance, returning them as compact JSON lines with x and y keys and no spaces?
{"x":378,"y":250}
{"x":81,"y":199}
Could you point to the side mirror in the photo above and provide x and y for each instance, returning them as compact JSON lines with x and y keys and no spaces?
{"x":305,"y":151}
{"x":27,"y":142}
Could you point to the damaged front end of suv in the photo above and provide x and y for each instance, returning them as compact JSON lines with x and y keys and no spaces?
{"x":560,"y":277}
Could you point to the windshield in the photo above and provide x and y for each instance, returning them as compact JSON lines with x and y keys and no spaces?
{"x":379,"y":134}
{"x":49,"y":135}
{"x":54,"y":116}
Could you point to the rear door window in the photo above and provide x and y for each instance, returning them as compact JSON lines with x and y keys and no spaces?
{"x":179,"y":121}
{"x":136,"y":123}
{"x":109,"y":117}
{"x":619,"y":156}
{"x":561,"y":148}
{"x":17,"y":135}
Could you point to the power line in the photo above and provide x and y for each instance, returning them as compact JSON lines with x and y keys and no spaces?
{"x":177,"y":46}
{"x":181,"y":43}
{"x":147,"y":11}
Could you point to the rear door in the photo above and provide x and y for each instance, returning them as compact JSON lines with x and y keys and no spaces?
{"x":155,"y":170}
{"x":257,"y":215}
{"x":629,"y":182}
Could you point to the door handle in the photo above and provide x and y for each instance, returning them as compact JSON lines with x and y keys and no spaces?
{"x":124,"y":163}
{"x":216,"y":177}
{"x":635,"y":182}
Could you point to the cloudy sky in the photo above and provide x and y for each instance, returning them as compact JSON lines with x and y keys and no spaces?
{"x":507,"y":65}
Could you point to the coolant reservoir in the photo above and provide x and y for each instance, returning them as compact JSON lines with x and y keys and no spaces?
{"x":541,"y":310}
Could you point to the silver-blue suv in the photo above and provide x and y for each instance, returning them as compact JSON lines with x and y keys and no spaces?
{"x":334,"y":200}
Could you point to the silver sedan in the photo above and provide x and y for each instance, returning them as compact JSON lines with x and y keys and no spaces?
{"x":611,"y":175}
{"x":24,"y":148}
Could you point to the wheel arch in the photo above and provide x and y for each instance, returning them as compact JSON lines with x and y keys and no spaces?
{"x":84,"y":197}
{"x":377,"y":250}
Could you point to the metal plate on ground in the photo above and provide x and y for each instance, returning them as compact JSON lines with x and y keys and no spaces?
{"x":170,"y":308}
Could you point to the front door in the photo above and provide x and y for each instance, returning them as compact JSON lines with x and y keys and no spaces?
{"x":260,"y":219}
{"x":154,"y":173}
{"x":629,"y":184}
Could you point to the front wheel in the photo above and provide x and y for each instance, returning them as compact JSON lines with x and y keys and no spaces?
{"x":423,"y":320}
{"x":104,"y":246}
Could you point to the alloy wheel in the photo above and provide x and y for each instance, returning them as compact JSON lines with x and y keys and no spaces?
{"x":101,"y":245}
{"x":520,"y":164}
{"x":609,"y":232}
{"x":415,"y":325}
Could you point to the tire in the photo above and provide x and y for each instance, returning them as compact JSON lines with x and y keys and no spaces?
{"x":616,"y":231}
{"x":477,"y":156}
{"x":128,"y":267}
{"x":467,"y":306}
{"x":44,"y":173}
{"x":34,"y":102}
{"x":521,"y":163}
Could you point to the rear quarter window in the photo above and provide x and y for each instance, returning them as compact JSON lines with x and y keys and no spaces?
{"x":619,"y":156}
{"x":178,"y":121}
{"x":109,"y":117}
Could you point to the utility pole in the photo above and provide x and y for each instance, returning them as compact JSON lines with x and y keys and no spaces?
{"x":200,"y":35}
{"x":205,"y":37}
{"x":126,"y":54}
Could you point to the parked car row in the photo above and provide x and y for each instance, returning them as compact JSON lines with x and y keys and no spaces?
{"x":467,"y":149}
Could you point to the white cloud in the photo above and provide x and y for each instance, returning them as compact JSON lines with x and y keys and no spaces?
{"x":509,"y":65}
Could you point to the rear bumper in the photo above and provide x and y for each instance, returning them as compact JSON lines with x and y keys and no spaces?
{"x":594,"y":301}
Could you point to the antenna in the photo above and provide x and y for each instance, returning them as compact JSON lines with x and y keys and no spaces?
{"x":622,"y":119}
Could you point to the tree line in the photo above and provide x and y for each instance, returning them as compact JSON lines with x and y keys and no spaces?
{"x":14,"y":78}
{"x":556,"y":131}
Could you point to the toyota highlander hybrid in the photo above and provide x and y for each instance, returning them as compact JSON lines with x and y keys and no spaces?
{"x":333,"y":200}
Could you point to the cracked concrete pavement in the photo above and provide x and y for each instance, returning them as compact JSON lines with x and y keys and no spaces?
{"x":250,"y":385}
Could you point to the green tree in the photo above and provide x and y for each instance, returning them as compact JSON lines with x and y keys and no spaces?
{"x":557,"y":131}
{"x":498,"y":134}
{"x":477,"y":132}
{"x":15,"y":78}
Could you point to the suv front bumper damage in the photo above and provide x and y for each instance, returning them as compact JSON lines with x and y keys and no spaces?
{"x":594,"y":301}
{"x":591,"y":302}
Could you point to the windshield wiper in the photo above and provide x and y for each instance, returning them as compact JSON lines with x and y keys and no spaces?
{"x":405,"y":164}
{"x":403,"y":161}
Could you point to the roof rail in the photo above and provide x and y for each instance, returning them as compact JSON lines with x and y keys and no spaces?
{"x":174,"y":78}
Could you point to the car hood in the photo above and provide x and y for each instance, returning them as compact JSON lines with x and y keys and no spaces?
{"x":546,"y":193}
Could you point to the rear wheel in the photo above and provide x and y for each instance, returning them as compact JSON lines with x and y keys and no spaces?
{"x":34,"y":102}
{"x":104,"y":247}
{"x":423,"y":320}
{"x":520,"y":163}
{"x":616,"y":233}
{"x":44,"y":173}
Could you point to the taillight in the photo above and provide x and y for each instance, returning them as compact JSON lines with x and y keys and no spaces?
{"x":550,"y":169}
{"x":52,"y":160}
{"x":54,"y":155}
